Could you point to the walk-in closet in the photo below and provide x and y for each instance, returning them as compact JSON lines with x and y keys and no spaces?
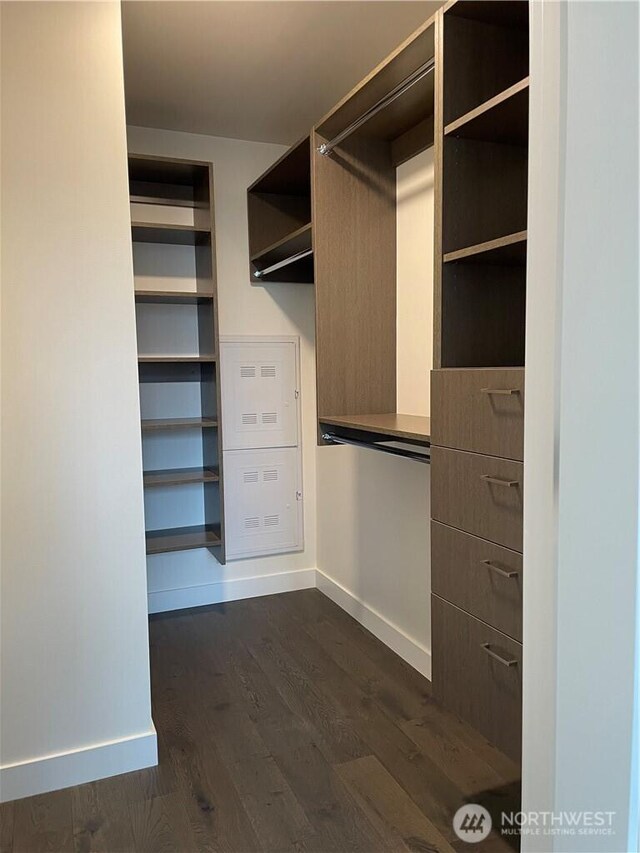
{"x":279,"y":278}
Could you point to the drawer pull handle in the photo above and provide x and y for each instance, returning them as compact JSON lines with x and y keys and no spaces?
{"x":499,"y":570}
{"x":498,"y":481}
{"x":503,"y":391}
{"x":499,"y":658}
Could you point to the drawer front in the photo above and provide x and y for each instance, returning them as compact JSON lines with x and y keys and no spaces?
{"x":479,"y":410}
{"x":477,"y":674}
{"x":479,"y":577}
{"x":478,"y":494}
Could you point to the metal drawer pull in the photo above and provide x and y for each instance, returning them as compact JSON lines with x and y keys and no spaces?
{"x":504,"y":391}
{"x":499,"y":570}
{"x":497,"y":481}
{"x":496,"y":656}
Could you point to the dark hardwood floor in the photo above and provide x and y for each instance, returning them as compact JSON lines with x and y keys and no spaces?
{"x":283,"y":725}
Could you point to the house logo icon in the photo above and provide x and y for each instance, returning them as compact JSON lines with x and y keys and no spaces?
{"x":472,"y":823}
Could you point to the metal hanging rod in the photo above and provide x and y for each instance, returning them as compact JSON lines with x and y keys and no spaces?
{"x":327,"y":147}
{"x":285,"y":263}
{"x":372,"y":445}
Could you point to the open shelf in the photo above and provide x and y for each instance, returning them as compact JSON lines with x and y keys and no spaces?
{"x":180,"y":476}
{"x":149,"y":424}
{"x":296,"y":241}
{"x":182,"y":539}
{"x":504,"y":118}
{"x":510,"y":250}
{"x":279,"y":215}
{"x":408,"y":427}
{"x":174,"y":235}
{"x":176,"y":297}
{"x":405,"y":123}
{"x":486,"y":52}
{"x":176,"y":359}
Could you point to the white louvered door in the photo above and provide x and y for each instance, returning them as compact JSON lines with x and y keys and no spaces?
{"x":262,"y":451}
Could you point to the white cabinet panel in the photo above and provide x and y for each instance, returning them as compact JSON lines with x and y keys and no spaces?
{"x":260,"y":394}
{"x":263,"y":502}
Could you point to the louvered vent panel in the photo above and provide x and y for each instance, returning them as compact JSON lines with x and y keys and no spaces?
{"x":271,"y":520}
{"x":270,"y":476}
{"x":251,"y":476}
{"x":252,"y":523}
{"x":259,"y":377}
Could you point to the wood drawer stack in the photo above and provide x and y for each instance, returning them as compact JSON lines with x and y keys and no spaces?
{"x":477,"y":387}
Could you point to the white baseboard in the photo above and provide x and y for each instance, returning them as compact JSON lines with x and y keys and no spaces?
{"x":232,"y":590}
{"x":415,"y":654}
{"x":60,"y":770}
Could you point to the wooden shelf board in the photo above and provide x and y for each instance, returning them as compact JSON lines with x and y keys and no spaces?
{"x":412,"y":427}
{"x":176,"y":359}
{"x":413,"y":107}
{"x":180,"y":476}
{"x":182,"y":539}
{"x":177,"y":297}
{"x":503,"y":118}
{"x":296,"y":241}
{"x":509,"y":250}
{"x":165,"y":201}
{"x":177,"y":235}
{"x":290,"y":174}
{"x":149,"y":424}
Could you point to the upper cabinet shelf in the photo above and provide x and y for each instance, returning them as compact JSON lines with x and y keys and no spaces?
{"x":503,"y":118}
{"x":175,"y":297}
{"x":397,"y":99}
{"x":487,"y":35}
{"x":182,"y":189}
{"x":280,"y":230}
{"x":175,"y":235}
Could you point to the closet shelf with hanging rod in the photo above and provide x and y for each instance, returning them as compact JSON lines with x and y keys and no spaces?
{"x":290,"y":249}
{"x":394,"y":104}
{"x":413,"y":428}
{"x":325,"y":148}
{"x":280,"y":222}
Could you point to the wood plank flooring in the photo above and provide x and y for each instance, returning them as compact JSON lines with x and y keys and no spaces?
{"x":283,"y":725}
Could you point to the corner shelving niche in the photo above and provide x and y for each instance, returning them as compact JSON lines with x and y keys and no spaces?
{"x":173,"y":238}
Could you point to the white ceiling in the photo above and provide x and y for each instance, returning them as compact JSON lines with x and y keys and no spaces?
{"x":262,"y":70}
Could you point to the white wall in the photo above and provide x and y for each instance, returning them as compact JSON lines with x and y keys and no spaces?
{"x":75,"y":700}
{"x":373,"y":510}
{"x":415,"y":242}
{"x":195,"y":577}
{"x":582,"y":422}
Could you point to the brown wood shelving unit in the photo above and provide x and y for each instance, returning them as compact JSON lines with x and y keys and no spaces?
{"x":355,"y":222}
{"x":477,"y":387}
{"x":182,"y":184}
{"x":280,"y":224}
